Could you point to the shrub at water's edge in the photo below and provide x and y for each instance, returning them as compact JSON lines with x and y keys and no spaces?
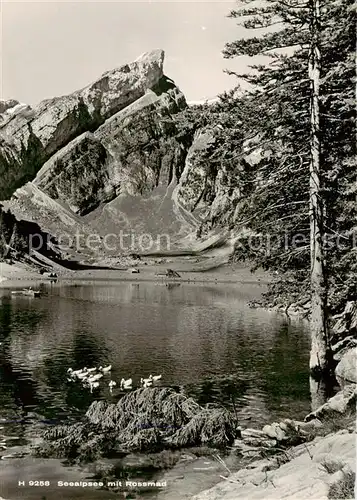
{"x":145,"y":420}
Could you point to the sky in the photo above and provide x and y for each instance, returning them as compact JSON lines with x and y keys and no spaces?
{"x":53,"y":48}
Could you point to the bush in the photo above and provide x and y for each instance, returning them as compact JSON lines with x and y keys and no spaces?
{"x":149,"y":420}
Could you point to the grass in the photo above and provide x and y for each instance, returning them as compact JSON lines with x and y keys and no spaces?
{"x":344,"y":488}
{"x":335,"y":423}
{"x":332,"y":466}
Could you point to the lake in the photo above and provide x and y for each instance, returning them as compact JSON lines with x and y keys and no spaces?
{"x":202,"y":338}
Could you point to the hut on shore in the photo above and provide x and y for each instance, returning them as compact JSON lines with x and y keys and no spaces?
{"x":170,"y":273}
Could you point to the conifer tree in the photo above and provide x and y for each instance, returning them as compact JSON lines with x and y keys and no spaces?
{"x":297,"y":113}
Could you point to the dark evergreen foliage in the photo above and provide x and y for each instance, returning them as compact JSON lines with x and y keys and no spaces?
{"x":275,"y":116}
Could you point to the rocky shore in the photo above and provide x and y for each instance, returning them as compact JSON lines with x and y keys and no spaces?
{"x":323,"y":468}
{"x":298,"y":460}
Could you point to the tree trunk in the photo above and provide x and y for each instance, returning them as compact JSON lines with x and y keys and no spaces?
{"x":319,"y":355}
{"x":318,"y":393}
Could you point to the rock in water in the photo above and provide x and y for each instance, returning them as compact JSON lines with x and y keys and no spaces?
{"x":274,"y":431}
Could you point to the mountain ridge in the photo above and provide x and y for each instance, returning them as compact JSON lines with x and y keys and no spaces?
{"x":114,"y":156}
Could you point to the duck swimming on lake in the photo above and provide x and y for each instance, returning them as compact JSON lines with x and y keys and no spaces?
{"x":126,"y":384}
{"x":146,"y":382}
{"x":111,"y":384}
{"x":73,"y":374}
{"x":94,"y":378}
{"x":70,"y":376}
{"x":91,"y":384}
{"x":77,"y":372}
{"x":155,"y":378}
{"x":106,"y":369}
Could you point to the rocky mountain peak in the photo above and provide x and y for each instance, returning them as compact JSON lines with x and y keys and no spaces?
{"x":153,"y":59}
{"x":30,"y":137}
{"x":6,"y":104}
{"x":114,"y":154}
{"x":111,"y":92}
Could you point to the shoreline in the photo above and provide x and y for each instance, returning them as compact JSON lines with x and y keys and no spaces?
{"x":3,"y":284}
{"x":15,"y":274}
{"x":322,"y":464}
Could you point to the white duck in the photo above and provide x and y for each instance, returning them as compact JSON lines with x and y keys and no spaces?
{"x":146,"y":382}
{"x":126,"y":384}
{"x":80,"y":374}
{"x":155,"y":378}
{"x":112,"y":384}
{"x":105,"y":369}
{"x":70,"y":376}
{"x":93,"y":385}
{"x":94,"y":378}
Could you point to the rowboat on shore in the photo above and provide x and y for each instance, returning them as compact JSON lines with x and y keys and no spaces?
{"x":30,"y":292}
{"x":27,"y":291}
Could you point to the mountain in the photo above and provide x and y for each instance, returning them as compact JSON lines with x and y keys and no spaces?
{"x":114,"y":156}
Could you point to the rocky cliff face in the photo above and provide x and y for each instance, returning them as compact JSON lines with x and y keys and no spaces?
{"x":110,"y":152}
{"x":30,"y":137}
{"x":133,"y":151}
{"x":6,"y":105}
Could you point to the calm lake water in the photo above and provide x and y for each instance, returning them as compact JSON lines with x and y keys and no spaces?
{"x":202,"y":338}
